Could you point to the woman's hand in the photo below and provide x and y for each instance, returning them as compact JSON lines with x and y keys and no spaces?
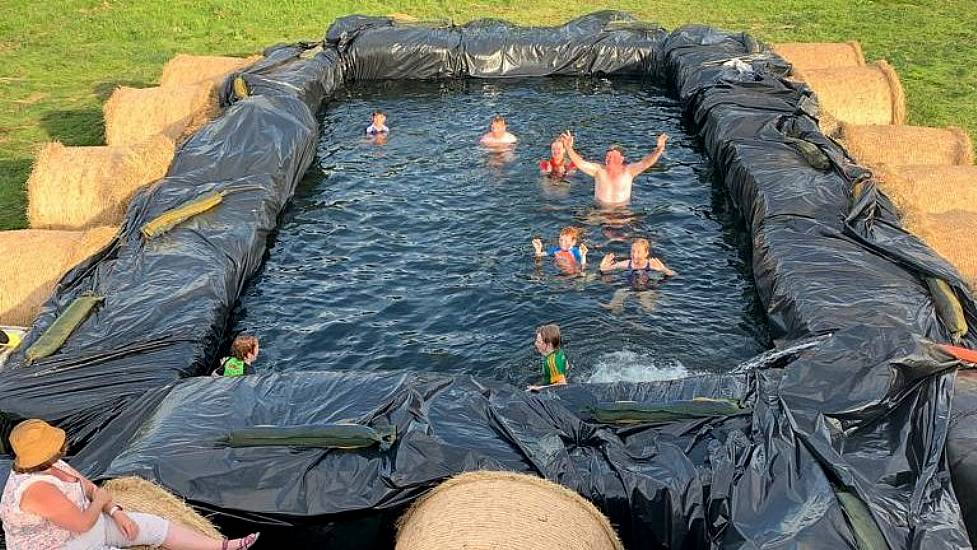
{"x":125,"y":524}
{"x":607,"y":262}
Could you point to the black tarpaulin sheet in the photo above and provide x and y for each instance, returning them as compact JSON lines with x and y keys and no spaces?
{"x":865,"y":412}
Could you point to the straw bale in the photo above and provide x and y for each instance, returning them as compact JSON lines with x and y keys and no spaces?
{"x":133,"y":115}
{"x":872,"y":145}
{"x":34,"y":260}
{"x":138,"y":495}
{"x":185,"y":70}
{"x":929,"y":189}
{"x":951,"y":235}
{"x":859,"y":95}
{"x":807,"y":56}
{"x":504,"y":511}
{"x":81,"y":187}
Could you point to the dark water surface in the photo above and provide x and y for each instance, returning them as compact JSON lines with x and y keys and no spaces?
{"x":415,"y":254}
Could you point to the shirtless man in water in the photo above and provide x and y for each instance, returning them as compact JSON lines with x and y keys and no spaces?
{"x":612,"y":181}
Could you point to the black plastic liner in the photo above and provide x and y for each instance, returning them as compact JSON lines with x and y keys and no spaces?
{"x":864,"y":412}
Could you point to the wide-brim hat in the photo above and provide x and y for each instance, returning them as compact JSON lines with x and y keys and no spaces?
{"x":35,"y":442}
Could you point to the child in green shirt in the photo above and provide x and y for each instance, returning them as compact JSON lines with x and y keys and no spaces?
{"x":244,"y":350}
{"x":554,"y":364}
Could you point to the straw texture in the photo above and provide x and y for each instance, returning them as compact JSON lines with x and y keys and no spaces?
{"x":504,"y":511}
{"x":138,"y":495}
{"x":859,"y":95}
{"x":951,"y":235}
{"x":185,"y":70}
{"x":900,"y":145}
{"x":807,"y":56}
{"x":82,"y":187}
{"x":33,"y":262}
{"x":923,"y":189}
{"x":133,"y":116}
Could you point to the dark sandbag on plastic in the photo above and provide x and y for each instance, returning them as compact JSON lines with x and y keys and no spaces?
{"x":632,"y":412}
{"x":339,"y":436}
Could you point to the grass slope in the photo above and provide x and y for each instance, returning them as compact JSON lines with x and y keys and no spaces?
{"x":59,"y":61}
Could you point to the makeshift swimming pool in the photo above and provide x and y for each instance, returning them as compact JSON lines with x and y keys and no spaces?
{"x":837,"y":438}
{"x":415,"y":255}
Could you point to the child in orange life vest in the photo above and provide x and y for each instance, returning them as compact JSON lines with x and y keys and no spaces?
{"x":554,"y":364}
{"x":569,"y":256}
{"x":244,"y":350}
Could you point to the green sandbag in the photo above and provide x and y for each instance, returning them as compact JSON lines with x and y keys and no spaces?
{"x":175,"y":216}
{"x":868,"y":536}
{"x":338,"y":436}
{"x":62,"y":327}
{"x":633,"y":412}
{"x":948,"y":308}
{"x":811,"y":153}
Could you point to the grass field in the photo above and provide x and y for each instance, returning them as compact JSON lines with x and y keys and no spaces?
{"x":59,"y":61}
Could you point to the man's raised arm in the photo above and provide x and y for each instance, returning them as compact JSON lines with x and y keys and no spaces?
{"x":585,"y":166}
{"x":650,"y":159}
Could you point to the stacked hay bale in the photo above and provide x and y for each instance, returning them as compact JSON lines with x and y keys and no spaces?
{"x":135,"y":115}
{"x":869,"y":94}
{"x":184,"y":70}
{"x":806,"y":56}
{"x":138,"y":495}
{"x":34,"y":261}
{"x":504,"y":511}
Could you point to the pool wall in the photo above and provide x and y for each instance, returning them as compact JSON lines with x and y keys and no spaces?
{"x":829,"y":258}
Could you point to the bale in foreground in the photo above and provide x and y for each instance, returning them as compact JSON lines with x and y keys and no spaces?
{"x":871,"y":94}
{"x":133,"y":116}
{"x":951,"y":235}
{"x":504,"y":511}
{"x":138,"y":495}
{"x":186,"y":69}
{"x":895,"y":145}
{"x":927,"y":189}
{"x":34,"y":261}
{"x":83,"y":187}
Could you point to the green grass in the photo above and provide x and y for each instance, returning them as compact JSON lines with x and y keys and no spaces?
{"x":59,"y":61}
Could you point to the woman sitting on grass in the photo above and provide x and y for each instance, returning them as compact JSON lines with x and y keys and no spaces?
{"x":48,"y":504}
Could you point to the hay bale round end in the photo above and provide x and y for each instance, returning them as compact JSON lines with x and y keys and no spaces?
{"x":34,"y":261}
{"x":897,"y":145}
{"x":504,"y":511}
{"x":135,"y":115}
{"x":138,"y":495}
{"x":871,"y":94}
{"x":184,"y":70}
{"x":951,"y":235}
{"x":820,"y":55}
{"x":929,"y":189}
{"x":82,"y":187}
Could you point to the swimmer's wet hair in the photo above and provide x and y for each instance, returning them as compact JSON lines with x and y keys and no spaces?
{"x":378,"y":112}
{"x":642,"y":243}
{"x":550,"y":335}
{"x":616,"y":147}
{"x":243,"y":345}
{"x":498,"y":118}
{"x":574,"y":232}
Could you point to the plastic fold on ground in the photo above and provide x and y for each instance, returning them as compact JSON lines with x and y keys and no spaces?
{"x":843,"y":441}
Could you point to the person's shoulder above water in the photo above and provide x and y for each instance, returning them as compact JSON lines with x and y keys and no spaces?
{"x":378,"y":124}
{"x":498,"y":133}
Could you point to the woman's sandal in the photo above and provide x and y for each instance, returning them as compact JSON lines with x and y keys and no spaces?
{"x":243,"y":544}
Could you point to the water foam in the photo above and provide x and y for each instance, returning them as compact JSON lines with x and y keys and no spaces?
{"x":627,"y":366}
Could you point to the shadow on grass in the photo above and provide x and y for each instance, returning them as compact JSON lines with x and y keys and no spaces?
{"x":13,"y":198}
{"x":79,"y":127}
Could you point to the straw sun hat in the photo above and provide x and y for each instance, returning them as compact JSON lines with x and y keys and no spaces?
{"x":35,"y":442}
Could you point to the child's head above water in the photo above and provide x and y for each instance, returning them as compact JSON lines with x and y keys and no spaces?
{"x":569,"y":237}
{"x":557,"y":149}
{"x":379,"y":119}
{"x":245,"y":348}
{"x":547,"y":338}
{"x":640,"y":249}
{"x":498,"y":125}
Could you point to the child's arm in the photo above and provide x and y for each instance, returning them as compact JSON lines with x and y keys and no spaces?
{"x":659,"y":265}
{"x":561,"y":382}
{"x":583,"y":255}
{"x":650,"y":159}
{"x":585,"y":166}
{"x":538,"y":248}
{"x":608,"y":263}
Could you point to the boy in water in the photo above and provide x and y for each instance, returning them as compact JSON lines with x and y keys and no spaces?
{"x":613,"y":179}
{"x":639,"y":266}
{"x":554,"y":364}
{"x":556,"y":166}
{"x":244,"y":350}
{"x":498,"y":134}
{"x":378,"y":124}
{"x":569,"y":256}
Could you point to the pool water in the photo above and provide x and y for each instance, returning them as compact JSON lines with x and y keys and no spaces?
{"x":415,"y":254}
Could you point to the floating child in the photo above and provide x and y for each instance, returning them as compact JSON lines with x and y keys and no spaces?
{"x":568,"y":256}
{"x":554,"y":365}
{"x":378,"y":125}
{"x":639,"y":267}
{"x":498,"y":135}
{"x":557,"y":166}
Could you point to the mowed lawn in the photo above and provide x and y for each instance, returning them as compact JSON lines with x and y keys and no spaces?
{"x":59,"y":61}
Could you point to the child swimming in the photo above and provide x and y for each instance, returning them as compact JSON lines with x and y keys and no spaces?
{"x":639,"y":266}
{"x":378,"y":124}
{"x":568,"y":256}
{"x":244,"y":351}
{"x":554,"y":365}
{"x":498,"y":134}
{"x":557,"y":165}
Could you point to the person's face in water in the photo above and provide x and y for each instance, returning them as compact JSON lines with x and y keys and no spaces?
{"x":498,"y":128}
{"x":379,"y":120}
{"x":614,"y":160}
{"x":557,"y":151}
{"x":567,"y":241}
{"x":639,"y":253}
{"x":542,"y":347}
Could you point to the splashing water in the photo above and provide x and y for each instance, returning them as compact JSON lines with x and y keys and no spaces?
{"x":628,"y":366}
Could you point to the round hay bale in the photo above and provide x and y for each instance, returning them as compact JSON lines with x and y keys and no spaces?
{"x":34,"y":260}
{"x":82,"y":187}
{"x":133,"y":115}
{"x":951,"y":235}
{"x":900,"y":145}
{"x":929,"y":189}
{"x":859,"y":95}
{"x":138,"y":495}
{"x":807,"y":56}
{"x":185,"y":70}
{"x":504,"y":511}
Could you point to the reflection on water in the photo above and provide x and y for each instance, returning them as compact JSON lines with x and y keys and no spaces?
{"x":416,"y":254}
